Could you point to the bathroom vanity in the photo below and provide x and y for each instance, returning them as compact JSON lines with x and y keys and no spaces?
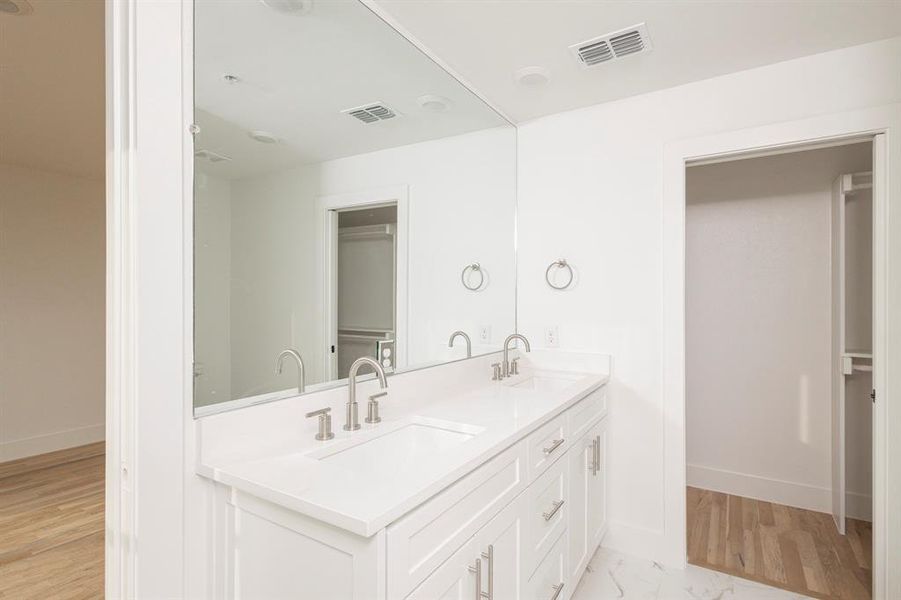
{"x":495,"y":492}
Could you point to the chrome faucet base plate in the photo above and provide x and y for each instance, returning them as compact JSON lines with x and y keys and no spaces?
{"x":325,"y":437}
{"x":375,"y":420}
{"x":349,"y":428}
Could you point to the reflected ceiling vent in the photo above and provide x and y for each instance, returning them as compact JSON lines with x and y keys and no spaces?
{"x":619,"y":44}
{"x":371,"y":113}
{"x":210,"y":156}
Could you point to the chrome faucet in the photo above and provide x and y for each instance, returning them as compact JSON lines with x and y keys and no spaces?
{"x":455,"y":335}
{"x":296,"y":356}
{"x":505,"y":367}
{"x":352,"y":423}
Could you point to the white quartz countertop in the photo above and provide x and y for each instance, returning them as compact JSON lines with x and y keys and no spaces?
{"x":405,"y":460}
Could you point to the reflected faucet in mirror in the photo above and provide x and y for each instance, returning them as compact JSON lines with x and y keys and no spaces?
{"x":505,"y":366}
{"x":352,"y":423}
{"x":300,"y":370}
{"x":455,"y":335}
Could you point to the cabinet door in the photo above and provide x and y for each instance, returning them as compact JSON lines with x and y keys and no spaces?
{"x":501,"y":545}
{"x":597,"y":486}
{"x":454,"y":579}
{"x":580,"y":459}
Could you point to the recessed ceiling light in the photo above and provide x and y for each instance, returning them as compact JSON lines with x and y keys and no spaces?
{"x":433,"y":103}
{"x":294,"y":7}
{"x":532,"y":76}
{"x":15,"y":8}
{"x":264,"y":137}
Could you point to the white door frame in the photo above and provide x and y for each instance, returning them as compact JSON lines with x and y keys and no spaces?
{"x":398,"y":195}
{"x":887,"y":289}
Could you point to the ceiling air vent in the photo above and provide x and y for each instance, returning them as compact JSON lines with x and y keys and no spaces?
{"x":371,"y":113}
{"x":210,"y":156}
{"x":619,"y":44}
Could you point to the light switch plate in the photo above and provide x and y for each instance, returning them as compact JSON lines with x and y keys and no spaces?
{"x":551,"y":337}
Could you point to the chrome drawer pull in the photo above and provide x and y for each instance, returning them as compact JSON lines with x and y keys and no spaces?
{"x":489,"y":556}
{"x":557,"y":590}
{"x":477,"y":569}
{"x":550,"y":515}
{"x":554,"y":445}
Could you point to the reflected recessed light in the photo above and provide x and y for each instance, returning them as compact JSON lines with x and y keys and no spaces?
{"x":295,"y":7}
{"x":433,"y":103}
{"x":532,"y":76}
{"x":231,"y":79}
{"x":264,"y":137}
{"x":15,"y":8}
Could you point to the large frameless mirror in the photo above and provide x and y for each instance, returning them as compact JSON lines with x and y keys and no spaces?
{"x":351,"y":198}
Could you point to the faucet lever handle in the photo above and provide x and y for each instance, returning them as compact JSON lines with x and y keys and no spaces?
{"x":325,"y":423}
{"x":372,"y":413}
{"x":497,"y":372}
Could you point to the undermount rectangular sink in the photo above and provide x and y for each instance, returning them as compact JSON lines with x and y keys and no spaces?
{"x":411,"y":446}
{"x":546,"y":383}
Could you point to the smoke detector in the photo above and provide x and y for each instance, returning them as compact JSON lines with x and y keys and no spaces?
{"x":210,"y":156}
{"x":434,"y":103}
{"x":371,"y":113}
{"x":15,"y":8}
{"x":613,"y":46}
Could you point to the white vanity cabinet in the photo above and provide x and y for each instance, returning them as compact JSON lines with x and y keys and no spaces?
{"x":520,"y":526}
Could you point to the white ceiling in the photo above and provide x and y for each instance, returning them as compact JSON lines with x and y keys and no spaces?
{"x":299,"y":71}
{"x":487,"y":40}
{"x":52,"y":87}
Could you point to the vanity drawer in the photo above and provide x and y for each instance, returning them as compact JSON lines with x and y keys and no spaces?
{"x":547,"y":445}
{"x":546,"y":513}
{"x":548,"y":582}
{"x":586,"y":411}
{"x":422,"y":539}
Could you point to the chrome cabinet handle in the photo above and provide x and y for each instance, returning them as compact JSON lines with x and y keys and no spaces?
{"x":597,"y":454}
{"x":489,"y":556}
{"x":554,"y":445}
{"x":558,"y":589}
{"x":550,"y":514}
{"x":477,"y":569}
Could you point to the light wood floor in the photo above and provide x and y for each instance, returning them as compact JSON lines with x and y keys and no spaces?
{"x":786,"y":547}
{"x":51,"y":526}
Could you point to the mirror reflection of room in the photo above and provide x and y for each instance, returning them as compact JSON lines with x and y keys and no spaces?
{"x":337,"y":221}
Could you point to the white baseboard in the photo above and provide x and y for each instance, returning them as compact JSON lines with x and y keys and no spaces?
{"x":760,"y":488}
{"x":51,"y":442}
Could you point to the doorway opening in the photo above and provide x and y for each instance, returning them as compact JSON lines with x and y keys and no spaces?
{"x":53,"y":248}
{"x":365,"y":278}
{"x":778,"y":368}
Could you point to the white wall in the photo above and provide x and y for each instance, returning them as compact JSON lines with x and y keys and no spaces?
{"x":52,"y":311}
{"x":461,"y":205}
{"x":212,"y":287}
{"x":759,"y":326}
{"x":590,"y":190}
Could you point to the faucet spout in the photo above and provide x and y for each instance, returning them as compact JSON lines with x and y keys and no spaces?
{"x":510,"y":338}
{"x":352,"y":423}
{"x":292,"y":353}
{"x":455,"y":335}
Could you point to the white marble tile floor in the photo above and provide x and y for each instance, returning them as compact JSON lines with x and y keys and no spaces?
{"x":612,"y":576}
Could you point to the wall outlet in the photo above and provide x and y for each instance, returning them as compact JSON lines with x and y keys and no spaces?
{"x":551,"y":337}
{"x":485,"y":334}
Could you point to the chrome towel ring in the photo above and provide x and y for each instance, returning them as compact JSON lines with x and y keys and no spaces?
{"x":560,"y":264}
{"x":475,"y":268}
